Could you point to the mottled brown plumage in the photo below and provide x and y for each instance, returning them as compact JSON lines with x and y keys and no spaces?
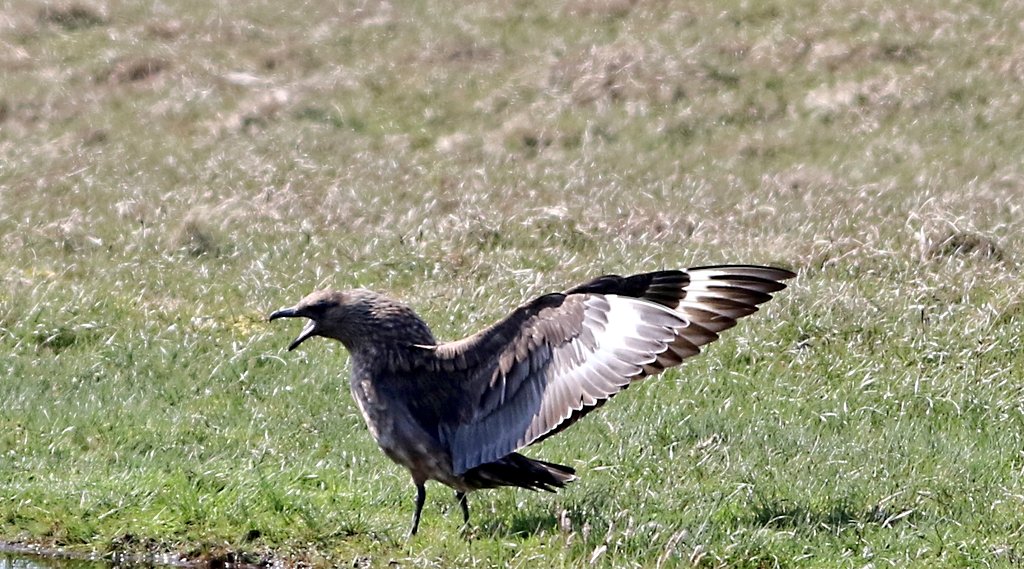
{"x":457,"y":412}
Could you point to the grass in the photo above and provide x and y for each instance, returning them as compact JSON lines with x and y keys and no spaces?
{"x":171,"y":173}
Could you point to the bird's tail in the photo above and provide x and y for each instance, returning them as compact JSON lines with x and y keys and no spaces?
{"x":517,"y":470}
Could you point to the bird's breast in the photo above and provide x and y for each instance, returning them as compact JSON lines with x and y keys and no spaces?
{"x":397,"y":434}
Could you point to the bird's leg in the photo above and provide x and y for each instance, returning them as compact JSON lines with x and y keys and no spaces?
{"x":463,"y":501}
{"x":464,"y":504}
{"x":421,"y":496}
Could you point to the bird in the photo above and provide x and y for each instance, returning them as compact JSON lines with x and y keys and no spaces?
{"x":458,"y":412}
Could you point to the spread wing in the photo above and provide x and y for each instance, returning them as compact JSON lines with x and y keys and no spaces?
{"x":560,"y":356}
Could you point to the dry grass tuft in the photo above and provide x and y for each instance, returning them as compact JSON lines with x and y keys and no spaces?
{"x":964,"y":244}
{"x":292,"y":58}
{"x":461,"y":50}
{"x":801,"y":179}
{"x":609,"y":9}
{"x":165,"y":29}
{"x":69,"y":234}
{"x":212,"y":229}
{"x":618,"y":72}
{"x":524,"y":132}
{"x":71,"y":16}
{"x":834,"y":55}
{"x":134,"y":70}
{"x":456,"y":143}
{"x":257,"y":111}
{"x":197,"y":237}
{"x":373,"y":14}
{"x":878,"y":95}
{"x":95,"y":136}
{"x":649,"y":226}
{"x":15,"y":57}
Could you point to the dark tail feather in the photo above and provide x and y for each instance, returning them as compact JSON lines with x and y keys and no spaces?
{"x":517,"y":470}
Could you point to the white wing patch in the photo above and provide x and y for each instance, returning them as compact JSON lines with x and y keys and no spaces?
{"x":625,"y":335}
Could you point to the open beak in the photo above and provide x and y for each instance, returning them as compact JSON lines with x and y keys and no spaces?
{"x":308,"y":331}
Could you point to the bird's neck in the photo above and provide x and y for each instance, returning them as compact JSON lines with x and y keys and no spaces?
{"x":383,"y":356}
{"x":386,"y":337}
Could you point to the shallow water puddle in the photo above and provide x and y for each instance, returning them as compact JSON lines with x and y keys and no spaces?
{"x":24,"y":561}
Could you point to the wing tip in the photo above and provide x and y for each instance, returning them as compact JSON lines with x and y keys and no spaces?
{"x":738,"y":270}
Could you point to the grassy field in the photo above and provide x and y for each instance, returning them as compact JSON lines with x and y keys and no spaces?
{"x":172,"y":172}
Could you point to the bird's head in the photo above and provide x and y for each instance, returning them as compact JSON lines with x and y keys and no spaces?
{"x":327,"y":313}
{"x":356,"y":318}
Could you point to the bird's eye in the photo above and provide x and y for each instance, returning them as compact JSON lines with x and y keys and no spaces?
{"x":320,"y":306}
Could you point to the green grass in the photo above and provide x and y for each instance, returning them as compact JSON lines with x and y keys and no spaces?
{"x":171,"y":173}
